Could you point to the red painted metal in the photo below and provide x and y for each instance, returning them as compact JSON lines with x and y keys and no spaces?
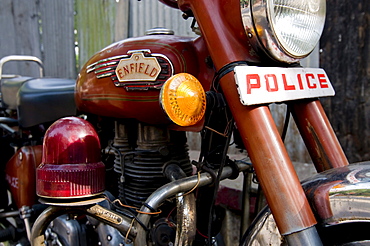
{"x":102,"y":97}
{"x":321,"y":190}
{"x":71,"y":165}
{"x":170,"y":3}
{"x":21,"y":175}
{"x":318,"y":135}
{"x":223,"y":31}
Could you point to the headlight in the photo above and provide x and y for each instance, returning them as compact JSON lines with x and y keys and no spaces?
{"x":287,"y":30}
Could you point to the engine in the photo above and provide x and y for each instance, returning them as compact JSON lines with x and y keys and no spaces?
{"x":140,"y":165}
{"x":119,"y":91}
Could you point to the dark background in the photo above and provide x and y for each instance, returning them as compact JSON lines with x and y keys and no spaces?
{"x":344,"y":54}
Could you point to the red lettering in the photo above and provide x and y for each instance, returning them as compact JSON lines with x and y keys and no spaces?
{"x":141,"y":66}
{"x":300,"y":81}
{"x":251,"y":86}
{"x":322,"y":80}
{"x":125,"y":68}
{"x":132,"y":67}
{"x":273,"y":76}
{"x":120,"y":74}
{"x":153,"y":72}
{"x":286,"y":86}
{"x":311,"y":86}
{"x":146,"y":70}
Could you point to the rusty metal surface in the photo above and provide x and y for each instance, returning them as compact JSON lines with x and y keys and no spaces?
{"x":318,"y":135}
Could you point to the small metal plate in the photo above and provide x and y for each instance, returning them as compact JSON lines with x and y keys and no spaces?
{"x":138,"y":68}
{"x":260,"y":85}
{"x":72,"y":202}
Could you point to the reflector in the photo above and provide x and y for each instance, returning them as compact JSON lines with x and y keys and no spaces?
{"x":183,"y":99}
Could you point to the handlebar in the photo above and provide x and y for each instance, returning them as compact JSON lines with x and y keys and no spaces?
{"x":21,"y":58}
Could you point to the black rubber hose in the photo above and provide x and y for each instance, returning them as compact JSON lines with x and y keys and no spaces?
{"x":7,"y":234}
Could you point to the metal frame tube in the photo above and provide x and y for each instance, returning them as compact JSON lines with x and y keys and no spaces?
{"x":21,"y":58}
{"x":318,"y":135}
{"x":245,"y":220}
{"x":170,"y":190}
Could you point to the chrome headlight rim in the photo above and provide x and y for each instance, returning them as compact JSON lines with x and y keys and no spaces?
{"x":257,"y":19}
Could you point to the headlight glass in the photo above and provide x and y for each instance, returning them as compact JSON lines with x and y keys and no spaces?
{"x":287,"y":30}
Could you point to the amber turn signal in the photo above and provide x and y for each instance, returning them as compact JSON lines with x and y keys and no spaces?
{"x":183,"y":99}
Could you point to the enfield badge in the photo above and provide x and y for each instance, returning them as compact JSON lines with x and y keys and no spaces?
{"x":138,"y":68}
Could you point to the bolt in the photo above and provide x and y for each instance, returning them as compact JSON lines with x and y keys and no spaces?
{"x":185,"y":16}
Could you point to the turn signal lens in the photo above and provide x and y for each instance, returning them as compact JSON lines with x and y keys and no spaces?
{"x":183,"y":99}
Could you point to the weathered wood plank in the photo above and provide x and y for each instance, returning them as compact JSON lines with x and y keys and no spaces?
{"x":19,"y":34}
{"x":57,"y":35}
{"x":95,"y":24}
{"x":121,"y":23}
{"x":148,"y":14}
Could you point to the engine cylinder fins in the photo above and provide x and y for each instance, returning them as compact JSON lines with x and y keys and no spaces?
{"x":143,"y":165}
{"x":145,"y":174}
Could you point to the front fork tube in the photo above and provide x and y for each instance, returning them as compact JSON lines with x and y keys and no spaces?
{"x":274,"y":168}
{"x":318,"y":135}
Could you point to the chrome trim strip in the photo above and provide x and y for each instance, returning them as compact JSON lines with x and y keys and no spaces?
{"x":106,"y":64}
{"x":168,"y":60}
{"x":139,"y":51}
{"x":103,"y":70}
{"x":105,"y":75}
{"x":95,"y":65}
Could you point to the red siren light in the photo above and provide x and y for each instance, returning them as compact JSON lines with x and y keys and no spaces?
{"x":71,"y":164}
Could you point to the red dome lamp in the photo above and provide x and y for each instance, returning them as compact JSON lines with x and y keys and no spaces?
{"x":71,"y":164}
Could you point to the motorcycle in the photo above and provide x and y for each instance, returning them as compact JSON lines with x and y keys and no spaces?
{"x":29,"y":105}
{"x":120,"y":172}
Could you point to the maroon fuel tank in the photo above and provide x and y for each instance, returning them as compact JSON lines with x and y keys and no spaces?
{"x":21,"y":174}
{"x":124,"y":79}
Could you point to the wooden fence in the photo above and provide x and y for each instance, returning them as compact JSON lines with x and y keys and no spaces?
{"x":65,"y":33}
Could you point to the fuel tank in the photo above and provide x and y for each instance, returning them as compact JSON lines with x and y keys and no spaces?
{"x":21,"y":174}
{"x":124,"y":79}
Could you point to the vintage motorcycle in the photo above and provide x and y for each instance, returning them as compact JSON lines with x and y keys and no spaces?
{"x":120,"y":172}
{"x":29,"y":106}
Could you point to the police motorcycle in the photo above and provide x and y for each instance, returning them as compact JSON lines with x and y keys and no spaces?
{"x":120,"y":174}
